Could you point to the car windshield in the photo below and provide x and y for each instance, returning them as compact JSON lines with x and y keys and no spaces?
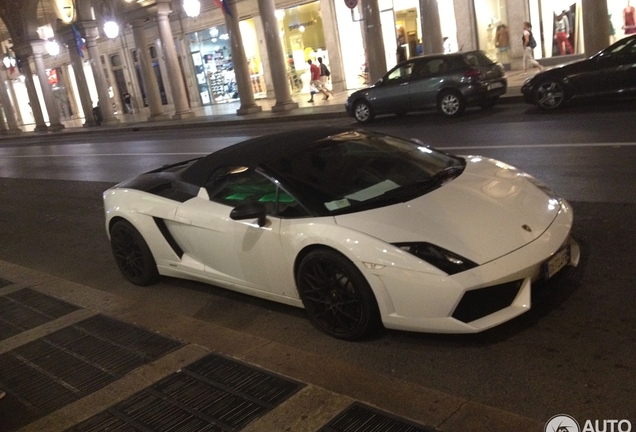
{"x":358,"y":171}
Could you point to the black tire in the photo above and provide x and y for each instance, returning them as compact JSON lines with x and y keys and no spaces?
{"x":489,"y":103}
{"x":132,"y":254}
{"x":451,"y":103}
{"x":549,"y":95}
{"x":363,"y":112}
{"x":336,"y":295}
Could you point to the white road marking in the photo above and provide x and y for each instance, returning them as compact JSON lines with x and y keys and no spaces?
{"x":572,"y":145}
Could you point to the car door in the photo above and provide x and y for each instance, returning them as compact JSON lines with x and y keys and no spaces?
{"x":392,"y":94}
{"x":609,"y":71}
{"x":237,"y":253}
{"x":428,"y":77}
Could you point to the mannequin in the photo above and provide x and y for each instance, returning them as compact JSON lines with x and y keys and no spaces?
{"x":629,"y":19}
{"x":562,"y":33}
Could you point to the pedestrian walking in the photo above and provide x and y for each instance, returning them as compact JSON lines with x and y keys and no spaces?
{"x":315,"y":82}
{"x":324,"y":76}
{"x":529,"y":43}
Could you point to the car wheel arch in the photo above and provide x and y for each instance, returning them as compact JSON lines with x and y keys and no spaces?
{"x":359,"y":296}
{"x":558,"y":80}
{"x":461,"y":101}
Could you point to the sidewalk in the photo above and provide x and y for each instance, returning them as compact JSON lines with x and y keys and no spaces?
{"x":73,"y":358}
{"x":225,"y":113}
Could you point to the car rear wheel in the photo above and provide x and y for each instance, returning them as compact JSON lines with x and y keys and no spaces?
{"x":132,"y":254}
{"x":451,"y":103}
{"x":363,"y":112}
{"x":549,"y":95}
{"x":336,"y":295}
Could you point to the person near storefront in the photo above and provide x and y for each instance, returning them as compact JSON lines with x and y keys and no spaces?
{"x":629,"y":19}
{"x":529,"y":44}
{"x":314,"y":81}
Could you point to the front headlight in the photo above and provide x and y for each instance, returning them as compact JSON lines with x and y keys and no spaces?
{"x":441,"y":258}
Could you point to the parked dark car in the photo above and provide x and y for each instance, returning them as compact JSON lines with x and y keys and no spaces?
{"x":449,"y":82}
{"x":607,"y":73}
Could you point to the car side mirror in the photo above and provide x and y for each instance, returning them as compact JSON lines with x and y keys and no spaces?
{"x":250,"y":210}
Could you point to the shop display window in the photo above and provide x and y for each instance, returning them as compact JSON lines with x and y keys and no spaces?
{"x":622,"y":18}
{"x":303,"y":38}
{"x":557,"y":27}
{"x":214,"y":67}
{"x":492,"y":29}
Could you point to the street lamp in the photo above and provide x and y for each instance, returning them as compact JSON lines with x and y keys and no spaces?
{"x":52,"y":47}
{"x":192,"y":8}
{"x":111,"y":29}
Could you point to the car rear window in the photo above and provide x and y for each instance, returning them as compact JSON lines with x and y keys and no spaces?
{"x":477,"y":58}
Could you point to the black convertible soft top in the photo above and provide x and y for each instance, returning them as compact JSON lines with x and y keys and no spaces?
{"x":257,"y":151}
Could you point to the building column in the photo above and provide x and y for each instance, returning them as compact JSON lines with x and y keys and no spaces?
{"x":11,"y":126}
{"x":284,"y":102}
{"x":51,"y":107}
{"x":149,"y":78}
{"x":91,"y":33}
{"x":14,"y":97}
{"x":239,"y":61}
{"x":77,"y":63}
{"x":181,"y":106}
{"x":332,"y":42}
{"x":432,"y":42}
{"x":374,"y":41}
{"x":595,"y":26}
{"x":23,"y":53}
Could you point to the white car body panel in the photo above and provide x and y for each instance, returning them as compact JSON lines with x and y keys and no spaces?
{"x":478,"y":215}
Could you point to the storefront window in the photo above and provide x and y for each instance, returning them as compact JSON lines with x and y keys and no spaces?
{"x":558,"y":23}
{"x":214,"y":69}
{"x":622,"y":16}
{"x":303,"y":39}
{"x":492,"y":29}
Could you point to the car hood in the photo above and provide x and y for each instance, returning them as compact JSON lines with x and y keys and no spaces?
{"x":490,"y":210}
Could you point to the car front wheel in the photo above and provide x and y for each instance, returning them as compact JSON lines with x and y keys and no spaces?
{"x":132,"y":254}
{"x":451,"y":103}
{"x":549,"y":95}
{"x":363,"y":112}
{"x":336,"y":295}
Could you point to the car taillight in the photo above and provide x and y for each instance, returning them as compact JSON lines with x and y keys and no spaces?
{"x":472,"y":73}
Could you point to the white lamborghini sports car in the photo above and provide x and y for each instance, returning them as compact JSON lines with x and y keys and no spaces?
{"x":359,"y":228}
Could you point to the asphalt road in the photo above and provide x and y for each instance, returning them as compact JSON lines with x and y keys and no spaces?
{"x":573,"y":353}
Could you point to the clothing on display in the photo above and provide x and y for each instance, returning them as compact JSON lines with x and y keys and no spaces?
{"x":562,"y":33}
{"x":629,"y":19}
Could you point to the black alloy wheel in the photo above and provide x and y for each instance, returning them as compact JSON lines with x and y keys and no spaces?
{"x":336,"y":295}
{"x":132,"y":254}
{"x":550,"y":95}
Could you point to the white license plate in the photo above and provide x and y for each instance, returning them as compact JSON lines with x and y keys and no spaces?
{"x":557,"y":262}
{"x":495,"y":85}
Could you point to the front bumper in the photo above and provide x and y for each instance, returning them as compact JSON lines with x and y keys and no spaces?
{"x":460,"y":303}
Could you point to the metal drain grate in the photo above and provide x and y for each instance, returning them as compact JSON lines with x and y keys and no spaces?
{"x":4,"y":283}
{"x":363,"y":418}
{"x":214,"y":394}
{"x":26,"y":309}
{"x":51,"y":372}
